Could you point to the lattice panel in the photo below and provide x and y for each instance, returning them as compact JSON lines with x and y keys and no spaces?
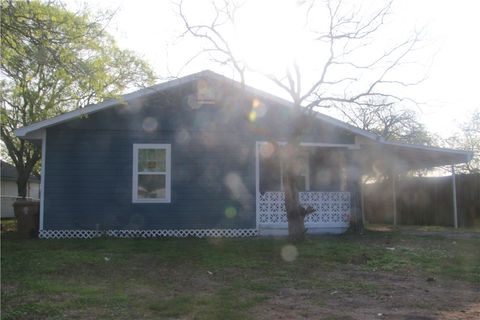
{"x":330,"y":207}
{"x":181,"y":233}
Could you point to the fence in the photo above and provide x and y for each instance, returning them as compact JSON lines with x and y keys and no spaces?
{"x":424,"y":201}
{"x":6,"y":206}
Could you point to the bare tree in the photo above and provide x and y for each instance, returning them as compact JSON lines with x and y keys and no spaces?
{"x":346,"y":75}
{"x":468,"y":139}
{"x":217,"y":46}
{"x":387,"y":120}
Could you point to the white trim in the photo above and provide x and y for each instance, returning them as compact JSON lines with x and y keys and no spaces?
{"x":428,"y":148}
{"x":257,"y":183}
{"x":167,"y":173}
{"x":320,"y":144}
{"x":42,"y":179}
{"x":23,"y":132}
{"x":282,"y":187}
{"x":394,"y":197}
{"x":30,"y":130}
{"x":307,"y":174}
{"x":151,"y":233}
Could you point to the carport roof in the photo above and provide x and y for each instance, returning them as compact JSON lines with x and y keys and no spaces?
{"x":402,"y":157}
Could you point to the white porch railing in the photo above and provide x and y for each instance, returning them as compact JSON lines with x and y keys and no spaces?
{"x":331,"y":208}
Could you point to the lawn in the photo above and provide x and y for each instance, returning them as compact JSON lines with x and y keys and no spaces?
{"x":388,"y":275}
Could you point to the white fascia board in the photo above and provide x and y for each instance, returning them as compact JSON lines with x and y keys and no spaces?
{"x":30,"y":130}
{"x":467,"y":154}
{"x":25,"y":132}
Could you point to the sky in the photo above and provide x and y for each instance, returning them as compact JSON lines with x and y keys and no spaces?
{"x":448,"y":58}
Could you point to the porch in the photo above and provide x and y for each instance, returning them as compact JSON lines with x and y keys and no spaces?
{"x":323,"y":180}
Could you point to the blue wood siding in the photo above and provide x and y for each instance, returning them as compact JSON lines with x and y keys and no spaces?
{"x":88,"y":173}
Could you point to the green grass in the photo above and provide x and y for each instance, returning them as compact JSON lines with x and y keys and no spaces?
{"x":210,"y":278}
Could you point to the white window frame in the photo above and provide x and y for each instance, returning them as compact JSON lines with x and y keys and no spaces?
{"x":167,"y":173}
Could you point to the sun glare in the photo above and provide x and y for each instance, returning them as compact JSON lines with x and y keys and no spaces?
{"x":268,"y":40}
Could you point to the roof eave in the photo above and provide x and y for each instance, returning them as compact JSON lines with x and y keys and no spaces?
{"x":467,"y":154}
{"x":28,"y":131}
{"x":25,"y":132}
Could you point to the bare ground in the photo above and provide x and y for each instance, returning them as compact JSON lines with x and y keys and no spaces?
{"x":389,"y":297}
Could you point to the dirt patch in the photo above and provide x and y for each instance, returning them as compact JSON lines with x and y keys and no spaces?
{"x":375,"y":295}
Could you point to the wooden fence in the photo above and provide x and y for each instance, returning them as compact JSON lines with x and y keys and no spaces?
{"x":424,"y":201}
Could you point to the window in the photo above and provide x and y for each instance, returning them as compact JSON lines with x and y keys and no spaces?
{"x":151,"y":173}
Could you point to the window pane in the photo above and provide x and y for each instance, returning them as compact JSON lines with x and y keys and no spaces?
{"x":151,"y":186}
{"x":151,"y":160}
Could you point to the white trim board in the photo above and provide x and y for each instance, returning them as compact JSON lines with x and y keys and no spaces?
{"x":30,"y":132}
{"x":319,"y":144}
{"x":42,"y":179}
{"x":429,"y":148}
{"x":257,"y":185}
{"x":26,"y":132}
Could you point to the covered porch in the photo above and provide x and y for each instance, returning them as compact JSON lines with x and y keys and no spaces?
{"x":324,"y":180}
{"x":330,"y":178}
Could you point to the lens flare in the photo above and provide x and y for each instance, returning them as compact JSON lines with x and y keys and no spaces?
{"x":289,"y":253}
{"x":267,"y":150}
{"x":259,"y":108}
{"x":182,"y":136}
{"x":252,"y":116}
{"x":149,"y":124}
{"x":193,"y":102}
{"x":230,"y":212}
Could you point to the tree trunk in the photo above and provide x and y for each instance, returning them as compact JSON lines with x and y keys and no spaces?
{"x":22,"y":182}
{"x":296,"y":225}
{"x":295,"y":212}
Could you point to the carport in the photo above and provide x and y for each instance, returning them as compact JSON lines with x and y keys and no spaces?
{"x":394,"y":158}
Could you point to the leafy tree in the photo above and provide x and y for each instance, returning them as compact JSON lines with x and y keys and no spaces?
{"x":351,"y":68}
{"x":53,"y":61}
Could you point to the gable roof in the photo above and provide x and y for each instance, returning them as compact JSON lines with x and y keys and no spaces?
{"x":24,"y":132}
{"x":449,"y":156}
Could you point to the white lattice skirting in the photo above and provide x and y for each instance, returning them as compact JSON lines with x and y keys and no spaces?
{"x":181,"y":233}
{"x":330,"y":208}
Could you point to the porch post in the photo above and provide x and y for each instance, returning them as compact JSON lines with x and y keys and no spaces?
{"x":454,"y":194}
{"x":355,"y":185}
{"x":394,"y":197}
{"x":362,"y":197}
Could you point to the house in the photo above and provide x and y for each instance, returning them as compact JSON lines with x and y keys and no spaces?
{"x":194,"y":157}
{"x":9,"y":191}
